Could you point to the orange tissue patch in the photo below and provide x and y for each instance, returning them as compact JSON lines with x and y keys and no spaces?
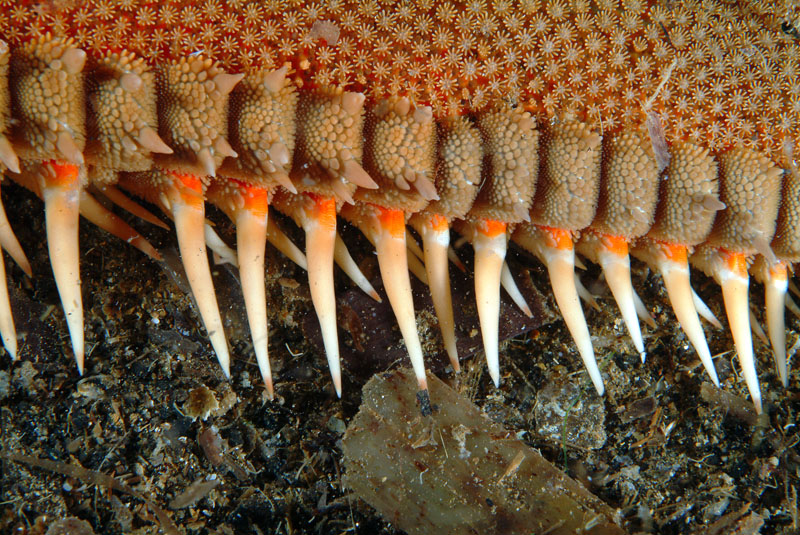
{"x":674,"y":252}
{"x":615,"y":244}
{"x":190,"y":187}
{"x":492,"y":228}
{"x":189,"y":181}
{"x":559,"y":238}
{"x":779,"y":271}
{"x":256,"y":198}
{"x":323,"y":211}
{"x":437,"y":222}
{"x":392,"y":220}
{"x":66,"y":174}
{"x":736,"y":262}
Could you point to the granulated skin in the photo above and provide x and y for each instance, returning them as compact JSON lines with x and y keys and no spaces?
{"x":604,"y":67}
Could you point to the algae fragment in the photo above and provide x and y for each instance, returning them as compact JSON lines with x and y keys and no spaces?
{"x":455,"y":471}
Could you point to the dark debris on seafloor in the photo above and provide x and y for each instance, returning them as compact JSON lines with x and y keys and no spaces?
{"x":155,"y":414}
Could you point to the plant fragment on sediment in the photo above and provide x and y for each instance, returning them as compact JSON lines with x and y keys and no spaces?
{"x":456,"y":471}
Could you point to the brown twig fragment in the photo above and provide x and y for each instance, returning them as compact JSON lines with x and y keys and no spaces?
{"x":92,"y":477}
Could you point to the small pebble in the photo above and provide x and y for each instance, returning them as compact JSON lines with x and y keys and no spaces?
{"x":201,"y":403}
{"x":70,"y":526}
{"x":5,"y":385}
{"x":564,"y":412}
{"x":336,"y":425}
{"x":211,"y":443}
